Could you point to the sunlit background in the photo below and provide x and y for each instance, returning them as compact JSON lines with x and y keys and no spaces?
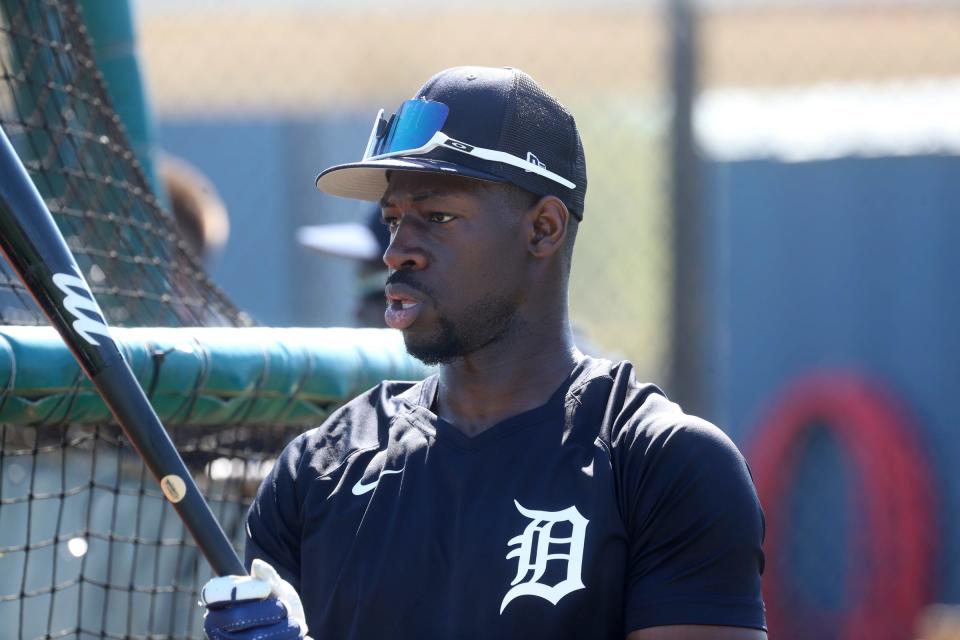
{"x":770,"y":232}
{"x":814,"y":244}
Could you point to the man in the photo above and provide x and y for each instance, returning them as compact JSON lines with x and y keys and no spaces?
{"x":525,"y":490}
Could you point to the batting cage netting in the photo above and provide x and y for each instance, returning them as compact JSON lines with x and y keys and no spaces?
{"x":88,"y":546}
{"x":55,"y":110}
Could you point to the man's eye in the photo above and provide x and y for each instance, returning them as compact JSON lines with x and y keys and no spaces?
{"x":437,"y":216}
{"x":391,"y":222}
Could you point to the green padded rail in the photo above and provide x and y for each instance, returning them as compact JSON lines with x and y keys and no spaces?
{"x":204,"y":376}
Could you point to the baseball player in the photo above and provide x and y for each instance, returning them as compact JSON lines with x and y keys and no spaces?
{"x":526,"y":490}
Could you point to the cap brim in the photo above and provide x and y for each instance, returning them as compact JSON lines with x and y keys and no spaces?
{"x":368,"y":180}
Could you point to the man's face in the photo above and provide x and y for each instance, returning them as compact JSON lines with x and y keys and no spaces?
{"x":457,"y":263}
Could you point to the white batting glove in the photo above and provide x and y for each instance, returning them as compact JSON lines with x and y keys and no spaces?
{"x":236,"y":592}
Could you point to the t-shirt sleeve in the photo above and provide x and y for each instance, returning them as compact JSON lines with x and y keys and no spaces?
{"x":694,"y":523}
{"x":274,"y":519}
{"x":273,"y":529}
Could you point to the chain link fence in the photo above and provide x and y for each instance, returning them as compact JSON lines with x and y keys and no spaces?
{"x":829,"y":154}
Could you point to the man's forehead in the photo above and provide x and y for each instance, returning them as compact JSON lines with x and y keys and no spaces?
{"x":417,"y":185}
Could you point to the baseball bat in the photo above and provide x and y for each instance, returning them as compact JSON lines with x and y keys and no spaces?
{"x":37,"y":251}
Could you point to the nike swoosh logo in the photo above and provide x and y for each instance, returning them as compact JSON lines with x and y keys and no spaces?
{"x":359,"y":489}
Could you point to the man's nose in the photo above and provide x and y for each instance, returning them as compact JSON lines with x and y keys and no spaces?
{"x":404,"y":250}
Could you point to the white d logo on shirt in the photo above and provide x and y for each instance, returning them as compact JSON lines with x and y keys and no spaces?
{"x":535,"y":546}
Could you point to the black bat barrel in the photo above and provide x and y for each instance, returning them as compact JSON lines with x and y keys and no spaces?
{"x":129,"y":405}
{"x":36,"y":250}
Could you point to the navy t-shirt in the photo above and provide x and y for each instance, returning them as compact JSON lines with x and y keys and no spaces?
{"x":603,"y":511}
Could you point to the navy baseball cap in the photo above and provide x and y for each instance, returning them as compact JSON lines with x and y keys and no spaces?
{"x":479,"y":122}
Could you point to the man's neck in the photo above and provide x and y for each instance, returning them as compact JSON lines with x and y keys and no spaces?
{"x":505,"y":379}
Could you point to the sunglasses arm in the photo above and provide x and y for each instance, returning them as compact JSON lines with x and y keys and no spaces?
{"x":372,"y":140}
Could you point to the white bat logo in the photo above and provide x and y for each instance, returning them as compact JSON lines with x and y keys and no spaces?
{"x":75,"y":303}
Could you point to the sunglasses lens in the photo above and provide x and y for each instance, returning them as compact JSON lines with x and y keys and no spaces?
{"x":412,"y":126}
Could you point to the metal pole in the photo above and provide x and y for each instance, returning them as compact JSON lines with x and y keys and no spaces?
{"x":689,"y":324}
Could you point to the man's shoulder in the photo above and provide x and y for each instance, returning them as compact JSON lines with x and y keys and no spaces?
{"x":608,"y":394}
{"x":637,"y":414}
{"x":363,"y":422}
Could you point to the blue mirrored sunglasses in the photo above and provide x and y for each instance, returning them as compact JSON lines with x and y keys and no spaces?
{"x":415,"y":129}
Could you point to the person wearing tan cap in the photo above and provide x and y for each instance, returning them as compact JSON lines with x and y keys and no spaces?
{"x":361,"y":243}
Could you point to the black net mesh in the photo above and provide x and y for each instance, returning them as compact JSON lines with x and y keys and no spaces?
{"x":88,"y":546}
{"x":55,"y":110}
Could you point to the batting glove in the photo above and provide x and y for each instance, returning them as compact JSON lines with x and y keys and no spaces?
{"x":259,"y":607}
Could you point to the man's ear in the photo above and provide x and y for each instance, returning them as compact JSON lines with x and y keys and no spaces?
{"x":547,"y":224}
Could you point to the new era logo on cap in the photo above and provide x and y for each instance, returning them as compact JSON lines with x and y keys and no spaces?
{"x":497,"y":124}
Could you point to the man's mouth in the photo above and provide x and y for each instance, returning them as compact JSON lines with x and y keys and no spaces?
{"x":403,"y":306}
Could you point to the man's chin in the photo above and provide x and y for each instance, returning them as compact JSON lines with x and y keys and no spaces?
{"x":444,"y":341}
{"x":430,"y":356}
{"x":431,"y":350}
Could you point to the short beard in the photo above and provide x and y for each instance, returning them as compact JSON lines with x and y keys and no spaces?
{"x":483,"y":323}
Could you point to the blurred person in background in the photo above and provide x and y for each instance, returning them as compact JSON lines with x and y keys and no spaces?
{"x":525,"y":490}
{"x":198,"y":210}
{"x":365,"y":244}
